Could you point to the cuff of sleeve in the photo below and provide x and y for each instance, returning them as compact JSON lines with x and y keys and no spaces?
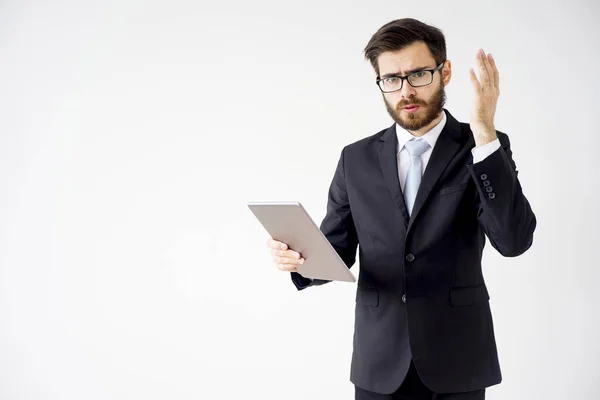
{"x":300,"y":281}
{"x":480,"y":153}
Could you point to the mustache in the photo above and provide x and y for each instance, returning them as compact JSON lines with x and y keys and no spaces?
{"x":413,"y":102}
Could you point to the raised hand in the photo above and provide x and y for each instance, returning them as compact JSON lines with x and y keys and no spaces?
{"x":486,"y":91}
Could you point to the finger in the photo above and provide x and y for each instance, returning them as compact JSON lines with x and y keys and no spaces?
{"x":275,"y":244}
{"x":495,"y":70}
{"x":490,"y":70}
{"x":286,"y":253}
{"x":483,"y":72}
{"x":474,"y":80}
{"x":287,"y":260}
{"x":287,"y":267}
{"x":482,"y":57}
{"x":291,"y":254}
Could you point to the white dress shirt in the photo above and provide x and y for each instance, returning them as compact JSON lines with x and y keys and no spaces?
{"x":479,"y":153}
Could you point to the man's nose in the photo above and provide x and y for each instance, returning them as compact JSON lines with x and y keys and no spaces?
{"x":407,"y":91}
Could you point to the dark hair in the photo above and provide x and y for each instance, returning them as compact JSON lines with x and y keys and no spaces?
{"x":400,"y":33}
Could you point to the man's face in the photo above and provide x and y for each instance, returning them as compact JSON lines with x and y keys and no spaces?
{"x":430,"y":99}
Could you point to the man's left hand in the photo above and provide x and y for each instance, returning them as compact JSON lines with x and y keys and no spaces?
{"x":486,"y":98}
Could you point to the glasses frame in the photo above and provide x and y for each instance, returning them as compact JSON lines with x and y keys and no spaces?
{"x":402,"y":78}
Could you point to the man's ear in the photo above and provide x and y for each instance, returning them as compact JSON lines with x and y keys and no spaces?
{"x":447,"y":72}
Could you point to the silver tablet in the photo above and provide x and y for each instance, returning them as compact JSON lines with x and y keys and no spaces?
{"x":288,"y":222}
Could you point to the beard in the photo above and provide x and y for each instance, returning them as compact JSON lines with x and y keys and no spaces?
{"x":426,"y":114}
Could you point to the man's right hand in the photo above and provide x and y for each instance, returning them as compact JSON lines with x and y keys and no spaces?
{"x":284,"y":258}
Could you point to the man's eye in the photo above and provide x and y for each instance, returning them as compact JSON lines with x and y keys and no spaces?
{"x":393,"y":80}
{"x":419,"y":74}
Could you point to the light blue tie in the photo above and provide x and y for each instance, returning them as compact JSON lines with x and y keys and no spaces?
{"x":413,"y":178}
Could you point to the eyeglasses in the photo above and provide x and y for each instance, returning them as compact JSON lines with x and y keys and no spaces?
{"x":416,"y":79}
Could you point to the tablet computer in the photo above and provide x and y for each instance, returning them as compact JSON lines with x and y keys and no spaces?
{"x":288,"y":222}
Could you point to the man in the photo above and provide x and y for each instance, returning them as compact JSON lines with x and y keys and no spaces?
{"x":420,"y":197}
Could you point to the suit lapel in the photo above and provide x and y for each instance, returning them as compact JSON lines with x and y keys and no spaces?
{"x":389,"y":167}
{"x":446,"y":147}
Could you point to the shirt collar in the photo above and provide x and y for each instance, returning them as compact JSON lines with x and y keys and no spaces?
{"x":430,"y":137}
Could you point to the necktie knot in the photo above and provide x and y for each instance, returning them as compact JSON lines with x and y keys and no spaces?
{"x":416,"y":147}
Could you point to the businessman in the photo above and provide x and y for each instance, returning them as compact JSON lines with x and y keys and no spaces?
{"x":420,"y":197}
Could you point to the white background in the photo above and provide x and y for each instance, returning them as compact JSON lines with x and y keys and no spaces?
{"x":132,"y":134}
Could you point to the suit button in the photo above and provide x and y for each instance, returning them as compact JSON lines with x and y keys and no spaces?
{"x":489,"y":189}
{"x":483,"y":177}
{"x":491,"y":195}
{"x":404,"y":298}
{"x":410,"y":257}
{"x":486,"y":183}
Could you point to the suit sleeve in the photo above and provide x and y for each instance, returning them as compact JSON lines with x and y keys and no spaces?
{"x":337,"y":226}
{"x":502,"y":209}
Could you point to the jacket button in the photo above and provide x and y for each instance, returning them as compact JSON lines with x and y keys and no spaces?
{"x":489,"y":189}
{"x":404,"y":298}
{"x":483,"y":177}
{"x":486,"y":183}
{"x":491,"y":195}
{"x":410,"y":257}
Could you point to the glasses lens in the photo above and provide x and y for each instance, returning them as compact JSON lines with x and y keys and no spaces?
{"x":421,"y":78}
{"x":390,"y":84}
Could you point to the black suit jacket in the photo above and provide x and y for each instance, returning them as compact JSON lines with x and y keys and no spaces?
{"x":421,"y":294}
